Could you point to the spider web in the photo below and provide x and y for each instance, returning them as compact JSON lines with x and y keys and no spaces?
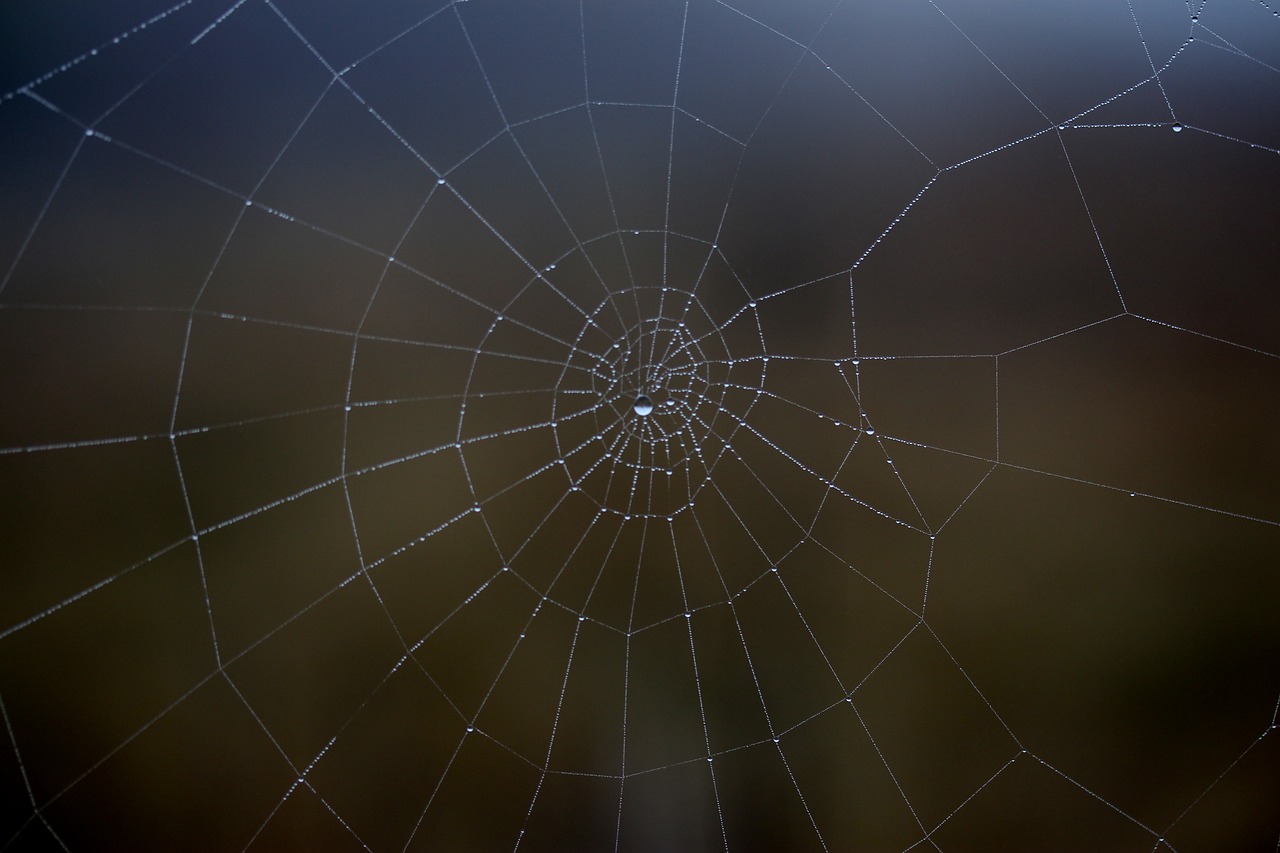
{"x":679,"y":425}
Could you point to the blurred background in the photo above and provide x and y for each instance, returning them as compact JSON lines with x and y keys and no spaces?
{"x":330,"y":522}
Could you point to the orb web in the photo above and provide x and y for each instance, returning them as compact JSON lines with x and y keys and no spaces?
{"x":693,"y":425}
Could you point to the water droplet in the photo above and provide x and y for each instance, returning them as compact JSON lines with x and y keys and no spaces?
{"x":643,"y":405}
{"x":1177,"y":127}
{"x":870,"y":431}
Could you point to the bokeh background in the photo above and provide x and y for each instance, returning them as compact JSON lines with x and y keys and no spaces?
{"x":968,"y":319}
